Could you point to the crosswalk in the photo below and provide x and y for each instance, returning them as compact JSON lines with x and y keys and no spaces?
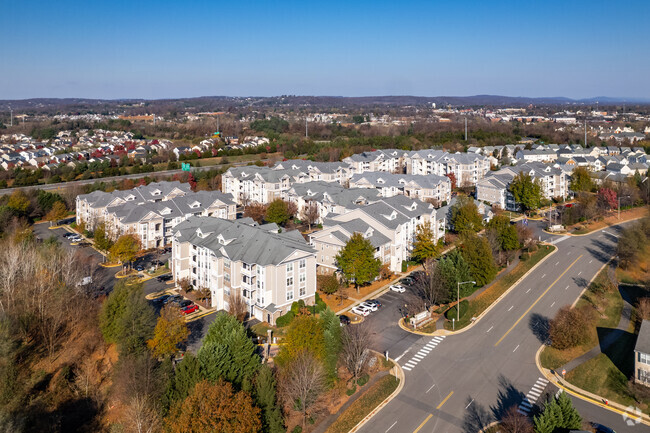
{"x":533,"y":395}
{"x":560,"y":239}
{"x":422,"y":353}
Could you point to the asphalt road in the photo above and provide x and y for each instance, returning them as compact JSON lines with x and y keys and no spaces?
{"x":462,"y":382}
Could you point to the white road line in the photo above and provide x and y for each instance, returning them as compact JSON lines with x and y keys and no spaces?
{"x":418,"y":357}
{"x":511,"y":308}
{"x":437,"y":339}
{"x":560,"y":239}
{"x":425,"y":350}
{"x":527,"y":290}
{"x":469,"y":404}
{"x":404,"y":353}
{"x":516,"y":348}
{"x":391,"y":426}
{"x":522,"y":412}
{"x":579,"y":273}
{"x":557,"y":263}
{"x":543,"y":275}
{"x":534,"y":394}
{"x":542,"y":380}
{"x":404,"y":367}
{"x":526,"y":403}
{"x":490,"y":328}
{"x":430,"y":388}
{"x":537,"y":387}
{"x":552,"y":304}
{"x":569,"y":253}
{"x":566,"y":288}
{"x":591,"y":260}
{"x":431,"y":346}
{"x":611,"y":234}
{"x":411,"y":364}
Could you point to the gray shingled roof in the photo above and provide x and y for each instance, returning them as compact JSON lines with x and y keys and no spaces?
{"x":643,"y":339}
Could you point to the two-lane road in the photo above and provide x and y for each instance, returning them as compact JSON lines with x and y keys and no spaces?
{"x":461,"y":382}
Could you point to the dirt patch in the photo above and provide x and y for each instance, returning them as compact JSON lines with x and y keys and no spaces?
{"x":610,"y":219}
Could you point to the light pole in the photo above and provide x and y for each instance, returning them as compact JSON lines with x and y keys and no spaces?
{"x":458,"y":303}
{"x":619,"y":206}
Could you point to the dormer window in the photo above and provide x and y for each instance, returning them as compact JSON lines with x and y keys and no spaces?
{"x":156,"y":192}
{"x":414,"y":206}
{"x":130,"y":197}
{"x":195,"y":204}
{"x":221,"y":240}
{"x":166,"y":211}
{"x":380,"y":180}
{"x":369,"y":232}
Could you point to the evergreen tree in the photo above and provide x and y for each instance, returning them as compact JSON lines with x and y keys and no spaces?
{"x":465,"y":216}
{"x":187,"y":375}
{"x":453,"y":269}
{"x":137,"y":323}
{"x":571,"y":419}
{"x":543,"y":423}
{"x":266,"y":399}
{"x":357,"y":260}
{"x":332,"y":332}
{"x":506,"y":232}
{"x":278,"y":212}
{"x":526,"y":191}
{"x":424,"y":246}
{"x":477,"y":253}
{"x":581,"y":180}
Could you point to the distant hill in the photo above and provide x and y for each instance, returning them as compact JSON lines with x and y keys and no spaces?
{"x":205,"y":103}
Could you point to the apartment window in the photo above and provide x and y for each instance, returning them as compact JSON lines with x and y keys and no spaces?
{"x":643,"y":375}
{"x":302,"y":279}
{"x":644,"y":358}
{"x":226,"y":277}
{"x":289,"y":267}
{"x":322,"y":258}
{"x":289,"y":295}
{"x":290,"y":282}
{"x":303,"y":291}
{"x":226,"y":263}
{"x":303,"y":263}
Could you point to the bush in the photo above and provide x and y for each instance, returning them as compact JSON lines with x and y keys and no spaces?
{"x":363,"y":380}
{"x":297,"y":306}
{"x":451,"y":313}
{"x":525,"y":256}
{"x":569,"y":328}
{"x":351,"y":391}
{"x":284,"y":320}
{"x":404,"y":266}
{"x":297,"y":429}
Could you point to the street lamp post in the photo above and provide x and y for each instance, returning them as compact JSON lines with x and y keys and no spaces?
{"x":458,"y":299}
{"x":619,"y":206}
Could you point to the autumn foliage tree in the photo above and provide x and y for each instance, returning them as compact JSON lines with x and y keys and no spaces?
{"x":425,"y":245}
{"x":125,"y":248}
{"x":607,"y":196}
{"x":569,"y":328}
{"x":256,"y":211}
{"x":215,"y":407}
{"x":357,"y":260}
{"x":58,"y":212}
{"x":169,"y":332}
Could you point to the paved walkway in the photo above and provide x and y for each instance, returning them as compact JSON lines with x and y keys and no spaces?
{"x":612,"y":335}
{"x":324,"y":425}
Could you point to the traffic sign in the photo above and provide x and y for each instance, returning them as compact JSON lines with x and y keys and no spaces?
{"x":185,"y":166}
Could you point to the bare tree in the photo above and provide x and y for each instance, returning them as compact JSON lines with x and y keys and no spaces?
{"x":236,"y":305}
{"x":355,"y":350}
{"x":301,"y":383}
{"x":309,"y":213}
{"x":514,"y":422}
{"x":429,"y":284}
{"x":141,"y":416}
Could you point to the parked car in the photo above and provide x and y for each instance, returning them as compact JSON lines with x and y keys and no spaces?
{"x":602,"y":429}
{"x":397,"y":288}
{"x":361,"y":311}
{"x":374,"y":302}
{"x":167,"y":277}
{"x":406,"y":281}
{"x":68,"y":235}
{"x":185,"y":303}
{"x":172,"y":298}
{"x":368,"y":305}
{"x":162,"y":299}
{"x":139,"y":268}
{"x":189,"y":309}
{"x":345,"y":320}
{"x":157,"y":263}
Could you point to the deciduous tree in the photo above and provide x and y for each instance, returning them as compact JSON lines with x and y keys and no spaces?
{"x":355,"y":353}
{"x":125,"y":248}
{"x":278,"y":212}
{"x":170,"y":331}
{"x":58,"y":212}
{"x":256,"y":211}
{"x":425,"y":245}
{"x":309,"y":213}
{"x":357,"y":260}
{"x":581,"y":180}
{"x":302,"y":380}
{"x":526,"y":191}
{"x":569,"y":328}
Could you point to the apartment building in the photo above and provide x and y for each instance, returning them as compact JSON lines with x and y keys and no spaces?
{"x":431,"y":187}
{"x":468,"y":168}
{"x":494,"y":189}
{"x":91,"y":208}
{"x":260,"y":184}
{"x":642,"y":355}
{"x":389,"y":224}
{"x":318,"y":171}
{"x":269,"y":270}
{"x":388,"y":160}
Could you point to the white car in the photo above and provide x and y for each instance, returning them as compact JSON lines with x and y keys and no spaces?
{"x":361,"y":311}
{"x":369,"y":306}
{"x":74,"y":239}
{"x":397,"y":288}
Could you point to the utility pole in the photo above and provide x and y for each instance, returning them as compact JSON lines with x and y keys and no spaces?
{"x":12,"y":116}
{"x":306,"y":128}
{"x":466,"y":129}
{"x":154,"y":120}
{"x":585,"y":132}
{"x":218,"y":124}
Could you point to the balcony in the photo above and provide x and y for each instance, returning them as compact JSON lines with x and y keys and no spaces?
{"x":248,"y":270}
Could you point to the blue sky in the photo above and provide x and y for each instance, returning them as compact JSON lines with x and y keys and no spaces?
{"x":160,"y":49}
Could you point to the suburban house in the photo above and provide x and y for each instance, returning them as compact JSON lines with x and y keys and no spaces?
{"x":269,"y":270}
{"x":642,"y":355}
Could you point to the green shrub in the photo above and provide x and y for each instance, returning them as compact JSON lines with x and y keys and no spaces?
{"x":363,"y":380}
{"x":297,"y":306}
{"x":404,"y":266}
{"x":525,"y":256}
{"x":297,"y":429}
{"x":351,"y":391}
{"x":283,"y":321}
{"x":452,"y":314}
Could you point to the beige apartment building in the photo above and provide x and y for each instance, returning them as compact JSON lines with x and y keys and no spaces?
{"x":269,"y":270}
{"x":642,"y":355}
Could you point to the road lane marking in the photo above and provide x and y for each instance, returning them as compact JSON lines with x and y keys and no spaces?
{"x":511,"y":307}
{"x":569,"y":253}
{"x":418,"y":357}
{"x":423,"y":423}
{"x":611,"y":234}
{"x":515,"y":348}
{"x":566,"y":288}
{"x":557,"y":263}
{"x":552,"y":304}
{"x":430,"y":388}
{"x":591,"y":261}
{"x":393,"y":425}
{"x":579,"y":273}
{"x":560,"y":239}
{"x":543,"y":276}
{"x":527,"y":290}
{"x":437,"y":339}
{"x":536,"y":301}
{"x":490,"y":328}
{"x":444,"y":401}
{"x":406,"y":368}
{"x":469,"y":404}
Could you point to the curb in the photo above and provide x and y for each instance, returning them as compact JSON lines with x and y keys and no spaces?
{"x":443,"y":332}
{"x":400,"y":376}
{"x":593,"y":231}
{"x":401,"y":324}
{"x":586,"y":395}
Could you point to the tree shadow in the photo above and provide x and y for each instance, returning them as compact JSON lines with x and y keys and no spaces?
{"x":476,"y":418}
{"x":618,"y":346}
{"x":507,"y":397}
{"x":540,"y":326}
{"x":581,"y":282}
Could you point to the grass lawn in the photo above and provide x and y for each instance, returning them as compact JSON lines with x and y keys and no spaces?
{"x":611,"y":219}
{"x":365,"y":404}
{"x":489,"y":296}
{"x":637,"y":273}
{"x":607,"y":308}
{"x":606,"y":375}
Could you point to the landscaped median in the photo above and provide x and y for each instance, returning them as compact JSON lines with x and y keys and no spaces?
{"x":490,"y":296}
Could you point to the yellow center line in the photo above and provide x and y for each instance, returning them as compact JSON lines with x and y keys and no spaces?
{"x":535,"y":303}
{"x":423,"y":423}
{"x":445,"y":400}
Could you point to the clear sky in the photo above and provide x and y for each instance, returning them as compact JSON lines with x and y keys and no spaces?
{"x":165,"y":48}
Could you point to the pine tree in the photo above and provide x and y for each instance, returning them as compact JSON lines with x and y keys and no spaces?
{"x":571,"y":419}
{"x":543,"y":423}
{"x":477,"y":253}
{"x":332,"y":333}
{"x":266,"y":399}
{"x":186,"y":376}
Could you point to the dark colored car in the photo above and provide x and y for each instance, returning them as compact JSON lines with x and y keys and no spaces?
{"x":172,"y":298}
{"x":157,"y":263}
{"x":602,"y":429}
{"x":190,"y":309}
{"x":139,"y":268}
{"x":164,"y":278}
{"x":185,"y":303}
{"x":345,"y":320}
{"x":374,"y":302}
